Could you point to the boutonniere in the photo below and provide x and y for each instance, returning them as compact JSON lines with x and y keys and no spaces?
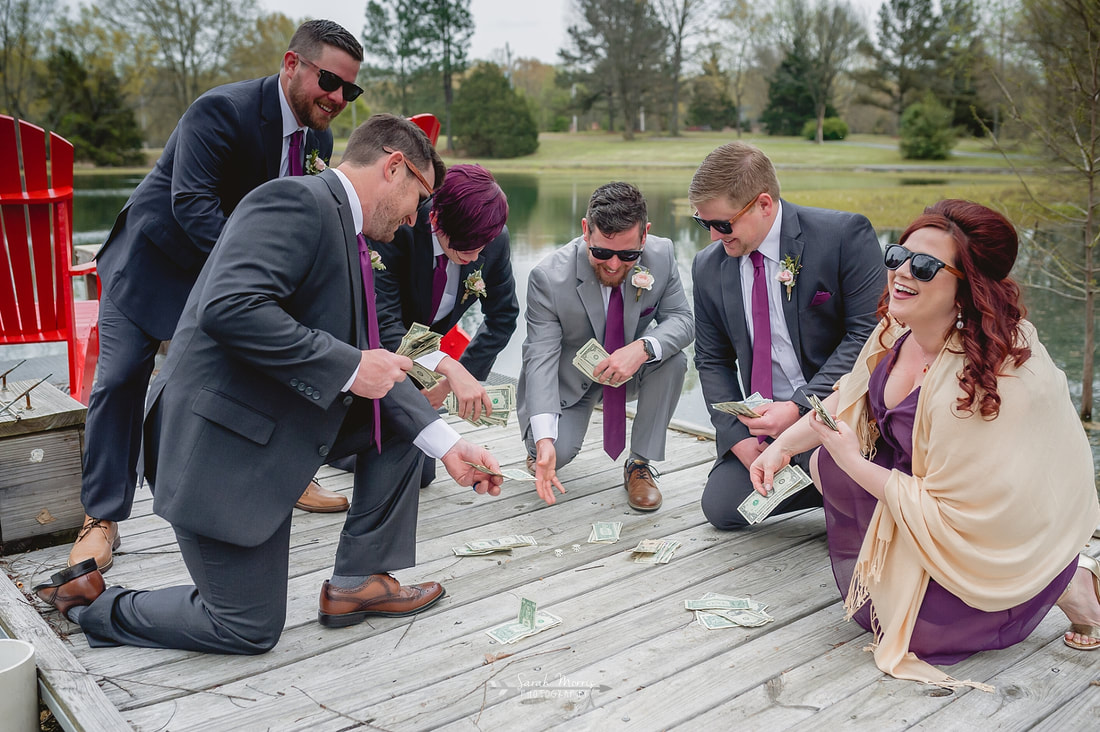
{"x":315,"y":164}
{"x":788,"y":273}
{"x":376,"y":260}
{"x":641,"y":278}
{"x":474,"y":285}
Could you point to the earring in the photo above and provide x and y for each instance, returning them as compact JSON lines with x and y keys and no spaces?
{"x":959,"y":320}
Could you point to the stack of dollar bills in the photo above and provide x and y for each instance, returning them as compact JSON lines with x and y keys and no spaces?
{"x":503,"y":399}
{"x":420,"y":341}
{"x":714,"y":611}
{"x":785,"y":483}
{"x":655,"y":551}
{"x":742,"y":409}
{"x":489,"y":546}
{"x":531,"y":621}
{"x":605,"y":532}
{"x":588,"y":356}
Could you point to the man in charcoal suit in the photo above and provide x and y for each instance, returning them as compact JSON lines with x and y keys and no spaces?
{"x":232,"y":139}
{"x":276,"y":367}
{"x":785,"y":298}
{"x":620,"y":285}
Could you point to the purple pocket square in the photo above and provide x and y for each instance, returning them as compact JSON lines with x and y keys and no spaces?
{"x":648,"y":311}
{"x":819,"y":297}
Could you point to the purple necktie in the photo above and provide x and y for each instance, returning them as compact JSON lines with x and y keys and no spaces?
{"x":294,"y":154}
{"x":439,"y":283}
{"x":373,"y":341}
{"x":614,"y":398}
{"x":761,"y":329}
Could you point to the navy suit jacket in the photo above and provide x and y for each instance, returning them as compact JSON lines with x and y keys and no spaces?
{"x":405,"y":293}
{"x":227,"y":143}
{"x":248,"y":405}
{"x":830,"y":314}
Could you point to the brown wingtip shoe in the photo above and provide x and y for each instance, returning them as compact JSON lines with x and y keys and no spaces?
{"x":530,"y":463}
{"x":97,"y":540}
{"x":73,"y":587}
{"x":321,"y":500}
{"x":380,"y":594}
{"x":640,"y":480}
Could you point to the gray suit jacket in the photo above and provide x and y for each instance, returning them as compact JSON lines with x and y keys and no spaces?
{"x":565,"y":308}
{"x":830,"y":315}
{"x":248,"y":404}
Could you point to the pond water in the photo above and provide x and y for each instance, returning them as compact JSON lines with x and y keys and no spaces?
{"x":545,"y":212}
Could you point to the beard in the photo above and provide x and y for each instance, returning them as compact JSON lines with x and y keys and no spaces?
{"x":384,"y":222}
{"x":305,"y":108}
{"x":609,"y":280}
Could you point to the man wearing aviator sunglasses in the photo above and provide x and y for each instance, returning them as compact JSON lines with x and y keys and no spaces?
{"x":614,"y":272}
{"x":231,"y":140}
{"x":785,"y":297}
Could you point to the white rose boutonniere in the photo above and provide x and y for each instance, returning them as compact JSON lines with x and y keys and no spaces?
{"x":788,"y":273}
{"x":474,"y":285}
{"x":376,"y":260}
{"x":641,"y":278}
{"x":315,"y":163}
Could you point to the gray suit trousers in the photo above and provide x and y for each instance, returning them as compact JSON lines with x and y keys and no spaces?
{"x":657,"y":388}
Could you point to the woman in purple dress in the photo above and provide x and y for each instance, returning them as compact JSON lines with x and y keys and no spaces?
{"x":959,"y":485}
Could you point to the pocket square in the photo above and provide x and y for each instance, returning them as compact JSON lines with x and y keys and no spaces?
{"x":819,"y":297}
{"x":648,"y":311}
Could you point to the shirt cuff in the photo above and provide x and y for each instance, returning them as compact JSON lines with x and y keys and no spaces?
{"x":431,"y":360}
{"x":544,"y":425}
{"x":436,"y":439}
{"x":349,"y":382}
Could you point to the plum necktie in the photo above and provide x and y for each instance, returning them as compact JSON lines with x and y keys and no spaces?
{"x":373,"y":341}
{"x":614,"y":398}
{"x":294,"y":154}
{"x":439,"y":283}
{"x":761,"y":329}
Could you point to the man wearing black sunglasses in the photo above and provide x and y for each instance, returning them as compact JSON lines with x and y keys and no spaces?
{"x":614,"y":268}
{"x":231,"y":139}
{"x":785,"y":297}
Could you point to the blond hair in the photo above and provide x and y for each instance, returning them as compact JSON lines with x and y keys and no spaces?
{"x":737,"y":171}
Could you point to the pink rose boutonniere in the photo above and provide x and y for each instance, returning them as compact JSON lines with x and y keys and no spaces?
{"x":788,"y":273}
{"x":315,"y":164}
{"x":376,"y":260}
{"x":642,"y":279}
{"x":474,"y":285}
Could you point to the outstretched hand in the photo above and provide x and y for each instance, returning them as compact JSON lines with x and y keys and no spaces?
{"x":546,"y":475}
{"x":457,"y":460}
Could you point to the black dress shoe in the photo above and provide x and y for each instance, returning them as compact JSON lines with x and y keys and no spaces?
{"x":73,"y":586}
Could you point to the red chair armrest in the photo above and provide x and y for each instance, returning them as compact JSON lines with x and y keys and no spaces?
{"x":88,"y":268}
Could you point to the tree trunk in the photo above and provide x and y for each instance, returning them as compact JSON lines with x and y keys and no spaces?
{"x":674,"y":118}
{"x":1088,"y":364}
{"x":819,"y":137}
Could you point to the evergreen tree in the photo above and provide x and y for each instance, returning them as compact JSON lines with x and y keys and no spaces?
{"x":711,"y":105}
{"x":490,"y":118}
{"x":790,"y":102}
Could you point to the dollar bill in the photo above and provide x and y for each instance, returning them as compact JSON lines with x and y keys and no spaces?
{"x":527,"y":612}
{"x":822,"y":412}
{"x":746,"y":408}
{"x":648,"y":546}
{"x":663,"y":555}
{"x":714,"y":611}
{"x":489,"y":546}
{"x":502,"y":397}
{"x":418,"y":341}
{"x":588,"y":356}
{"x":516,"y":474}
{"x":715,"y":603}
{"x":605,"y":532}
{"x":515,"y":630}
{"x":424,"y":376}
{"x":484,"y":469}
{"x":785,"y":483}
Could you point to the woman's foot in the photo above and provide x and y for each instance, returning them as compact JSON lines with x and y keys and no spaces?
{"x":1081,"y":604}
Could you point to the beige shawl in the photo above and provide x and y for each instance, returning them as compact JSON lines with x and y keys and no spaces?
{"x":994,"y":510}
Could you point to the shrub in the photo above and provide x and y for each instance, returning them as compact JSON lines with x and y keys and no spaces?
{"x":833,"y":128}
{"x":926,"y":130}
{"x":490,"y":119}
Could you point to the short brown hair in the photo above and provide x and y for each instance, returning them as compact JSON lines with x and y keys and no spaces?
{"x":370,"y":140}
{"x":736,"y":171}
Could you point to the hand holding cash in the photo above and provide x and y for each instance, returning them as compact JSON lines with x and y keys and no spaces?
{"x":822,"y":412}
{"x":742,"y":409}
{"x":588,"y":356}
{"x":785,"y":483}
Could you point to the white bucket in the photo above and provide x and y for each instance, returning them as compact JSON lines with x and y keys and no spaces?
{"x":18,"y":686}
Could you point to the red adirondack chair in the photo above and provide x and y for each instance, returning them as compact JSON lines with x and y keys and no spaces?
{"x":429,"y":123}
{"x":36,"y":295}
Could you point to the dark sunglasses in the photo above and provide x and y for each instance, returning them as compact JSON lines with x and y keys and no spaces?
{"x":330,"y":82}
{"x":725,"y":226}
{"x":922,"y":266}
{"x":627,"y":255}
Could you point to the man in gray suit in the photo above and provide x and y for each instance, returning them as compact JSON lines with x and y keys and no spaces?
{"x":275,"y":368}
{"x":615,"y":266}
{"x":228,"y":142}
{"x":799,"y":285}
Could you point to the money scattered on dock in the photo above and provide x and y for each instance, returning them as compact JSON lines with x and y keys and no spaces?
{"x":590,"y":354}
{"x":655,"y":551}
{"x":821,"y":412}
{"x":501,"y":396}
{"x":420,"y":341}
{"x":742,"y":409}
{"x":785,"y":483}
{"x":605,"y":532}
{"x":510,"y":473}
{"x":490,"y":546}
{"x":531,"y":620}
{"x":714,"y":611}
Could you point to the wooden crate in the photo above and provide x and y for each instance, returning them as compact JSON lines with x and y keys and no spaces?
{"x":40,"y":459}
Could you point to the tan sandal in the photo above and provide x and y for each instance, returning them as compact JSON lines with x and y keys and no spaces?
{"x":1090,"y":631}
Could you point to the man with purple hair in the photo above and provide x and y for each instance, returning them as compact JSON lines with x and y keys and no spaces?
{"x":457,"y":254}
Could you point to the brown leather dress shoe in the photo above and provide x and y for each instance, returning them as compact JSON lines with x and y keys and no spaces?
{"x":530,"y":465}
{"x":381,"y":594}
{"x":76,"y":586}
{"x":97,"y":540}
{"x":641,"y":486}
{"x":320,"y":500}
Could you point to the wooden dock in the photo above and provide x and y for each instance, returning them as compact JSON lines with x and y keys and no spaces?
{"x":626,"y":656}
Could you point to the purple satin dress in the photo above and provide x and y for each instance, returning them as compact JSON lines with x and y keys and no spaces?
{"x":947,"y":629}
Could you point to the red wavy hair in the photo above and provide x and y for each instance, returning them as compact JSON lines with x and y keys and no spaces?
{"x":985,"y":249}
